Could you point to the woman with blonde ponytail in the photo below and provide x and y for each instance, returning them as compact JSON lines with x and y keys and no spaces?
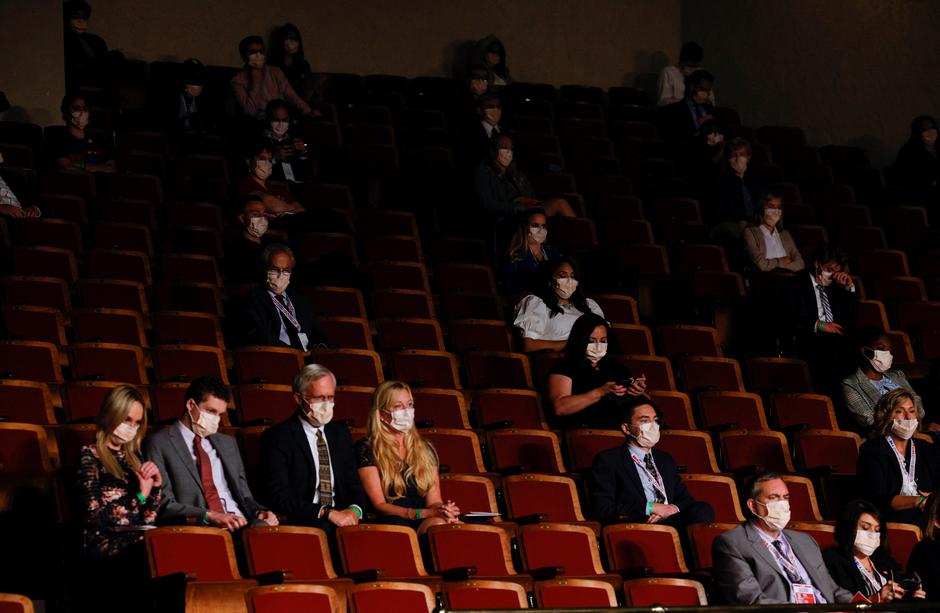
{"x":118,"y":491}
{"x":398,"y":467}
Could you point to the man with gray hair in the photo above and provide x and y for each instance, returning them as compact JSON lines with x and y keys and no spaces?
{"x":762,"y":563}
{"x":274,"y":313}
{"x":309,"y":468}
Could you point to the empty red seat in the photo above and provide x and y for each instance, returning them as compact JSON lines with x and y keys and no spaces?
{"x":719,"y":491}
{"x":690,"y":449}
{"x":347,"y":332}
{"x":50,"y":292}
{"x":764,"y":448}
{"x":170,"y":550}
{"x":287,"y":598}
{"x":480,"y":334}
{"x":440,"y":408}
{"x":813,"y":410}
{"x":744,"y":409}
{"x":803,"y":505}
{"x":536,"y":450}
{"x":555,"y":497}
{"x":903,"y":537}
{"x":634,"y":545}
{"x":101,"y":325}
{"x":402,"y":303}
{"x":186,"y":362}
{"x":112,"y":293}
{"x":26,"y":402}
{"x":472,"y":493}
{"x":422,"y":368}
{"x":304,"y":552}
{"x":15,"y":603}
{"x":701,"y":537}
{"x":497,"y":369}
{"x":405,"y":333}
{"x":352,"y":404}
{"x":701,"y":372}
{"x":393,"y":550}
{"x":458,"y":450}
{"x":834,"y":448}
{"x":478,"y":594}
{"x":574,"y":593}
{"x":516,"y":408}
{"x":572,"y":547}
{"x":82,"y":399}
{"x":189,"y":268}
{"x":398,"y":275}
{"x":188,"y":328}
{"x":259,"y":364}
{"x":823,"y":534}
{"x":387,"y":596}
{"x":34,"y":323}
{"x":658,"y":370}
{"x":257,"y":401}
{"x":24,"y":450}
{"x":336,"y":301}
{"x":633,"y":339}
{"x":618,"y":309}
{"x":692,"y":340}
{"x":117,"y":264}
{"x":675,"y":408}
{"x":107,"y":361}
{"x":779,"y":375}
{"x":664,"y":592}
{"x":351,"y":366}
{"x":473,"y":278}
{"x":37,"y":232}
{"x":45,"y":262}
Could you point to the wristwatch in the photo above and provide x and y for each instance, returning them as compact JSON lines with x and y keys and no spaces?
{"x":325,"y":511}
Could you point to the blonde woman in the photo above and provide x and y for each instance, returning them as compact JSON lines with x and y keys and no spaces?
{"x":118,"y":491}
{"x":398,"y":467}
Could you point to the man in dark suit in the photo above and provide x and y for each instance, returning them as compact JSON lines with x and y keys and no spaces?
{"x":203,"y":474}
{"x":309,"y":469}
{"x":822,"y":307}
{"x":640,"y":482}
{"x":680,"y":121}
{"x":273,"y":313}
{"x":761,"y":563}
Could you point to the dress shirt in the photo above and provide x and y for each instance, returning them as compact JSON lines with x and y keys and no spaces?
{"x":884,"y":385}
{"x":796,"y":563}
{"x":648,"y":489}
{"x":282,"y":332}
{"x":310,"y":431}
{"x":820,"y":313}
{"x":489,"y":128}
{"x":773,"y":245}
{"x":218,"y":472}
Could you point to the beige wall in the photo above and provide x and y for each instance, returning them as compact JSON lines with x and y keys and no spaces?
{"x":598,"y":42}
{"x":31,"y":72}
{"x":851,"y":72}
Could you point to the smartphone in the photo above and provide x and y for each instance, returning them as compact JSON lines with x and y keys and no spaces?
{"x":626,"y":382}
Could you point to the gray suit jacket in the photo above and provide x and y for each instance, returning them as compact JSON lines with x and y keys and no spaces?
{"x":747,"y":573}
{"x":182,"y":487}
{"x":861,"y":396}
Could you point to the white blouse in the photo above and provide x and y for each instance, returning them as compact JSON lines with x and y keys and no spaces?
{"x":773,"y":244}
{"x":532,"y":317}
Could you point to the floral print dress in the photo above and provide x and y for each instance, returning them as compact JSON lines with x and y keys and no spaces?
{"x":110,"y":502}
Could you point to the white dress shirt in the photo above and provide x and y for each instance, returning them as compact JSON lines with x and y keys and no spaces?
{"x":310,"y":431}
{"x":773,"y":245}
{"x":490,"y":128}
{"x":820,"y":312}
{"x":532,"y":317}
{"x":218,"y":473}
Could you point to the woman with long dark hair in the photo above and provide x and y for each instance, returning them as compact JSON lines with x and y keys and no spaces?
{"x":528,"y":248}
{"x":918,"y":165}
{"x":287,"y":53}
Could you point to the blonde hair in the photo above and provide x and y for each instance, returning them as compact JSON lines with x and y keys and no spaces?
{"x":420,"y":461}
{"x":884,"y":410}
{"x":114,"y":410}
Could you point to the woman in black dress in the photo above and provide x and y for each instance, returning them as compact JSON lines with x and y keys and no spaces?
{"x":398,"y":467}
{"x":586,"y":386}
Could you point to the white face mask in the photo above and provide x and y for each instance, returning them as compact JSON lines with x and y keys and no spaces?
{"x":504,"y":157}
{"x":403,"y":420}
{"x":291,"y":46}
{"x":257,"y":226}
{"x":80,"y":119}
{"x":493,"y":115}
{"x":206,"y":425}
{"x":263,"y":169}
{"x":565,"y":287}
{"x":279,"y":128}
{"x":648,"y":434}
{"x":595,"y":351}
{"x":538,"y":234}
{"x":739,"y":163}
{"x":124,"y":433}
{"x":778,"y":514}
{"x":867,"y":541}
{"x":882,"y":360}
{"x":772,"y":216}
{"x":278,"y":282}
{"x":714,"y":138}
{"x":256,"y":60}
{"x":824,"y":278}
{"x":319,"y":413}
{"x":194,"y":90}
{"x":904,"y":428}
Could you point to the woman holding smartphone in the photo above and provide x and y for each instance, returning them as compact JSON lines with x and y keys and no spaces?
{"x":586,"y":387}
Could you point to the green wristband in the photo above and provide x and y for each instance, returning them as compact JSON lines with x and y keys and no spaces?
{"x":419,"y":514}
{"x":141,"y":497}
{"x":356,"y":510}
{"x":649,"y":507}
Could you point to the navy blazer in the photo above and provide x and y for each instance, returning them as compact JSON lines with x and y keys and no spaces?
{"x":616,"y":488}
{"x":290,"y":477}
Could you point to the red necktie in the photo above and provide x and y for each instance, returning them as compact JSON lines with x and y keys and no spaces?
{"x":205,"y":475}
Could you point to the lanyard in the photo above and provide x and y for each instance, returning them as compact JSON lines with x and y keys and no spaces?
{"x":909,"y":485}
{"x":655,"y":477}
{"x":875,"y":581}
{"x":287,"y":312}
{"x":788,"y":566}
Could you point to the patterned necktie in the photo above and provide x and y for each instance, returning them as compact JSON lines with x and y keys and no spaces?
{"x":792,"y":575}
{"x":288,"y":326}
{"x":824,"y":301}
{"x":326,"y":484}
{"x":651,"y":468}
{"x":204,"y":466}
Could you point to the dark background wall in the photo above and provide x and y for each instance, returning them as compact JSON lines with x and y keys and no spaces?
{"x":851,"y":72}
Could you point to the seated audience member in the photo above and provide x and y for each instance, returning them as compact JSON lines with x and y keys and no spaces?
{"x":587,"y":387}
{"x":545,"y":317}
{"x":528,"y":248}
{"x":682,"y":120}
{"x":917,"y":166}
{"x":87,"y":58}
{"x":278,"y":201}
{"x":10,"y":205}
{"x":204,"y":478}
{"x":398,"y":467}
{"x":503,"y":189}
{"x":118,"y":490}
{"x":274,"y":313}
{"x":762,"y":563}
{"x":925,"y":557}
{"x":875,"y":378}
{"x":671,"y":85}
{"x":639,"y":482}
{"x":896,"y":470}
{"x":309,"y":465}
{"x":491,"y":53}
{"x":822,"y":308}
{"x":702,"y":160}
{"x":768,"y":244}
{"x":290,"y":152}
{"x":735,"y":203}
{"x":243,"y":253}
{"x":74,"y":147}
{"x":861,"y":561}
{"x":481,"y":127}
{"x":189,"y":115}
{"x":479,"y":82}
{"x":258,"y":83}
{"x":287,"y":53}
